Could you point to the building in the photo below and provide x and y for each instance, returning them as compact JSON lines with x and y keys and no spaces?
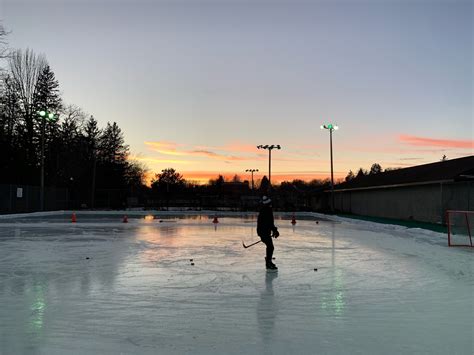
{"x":420,"y":193}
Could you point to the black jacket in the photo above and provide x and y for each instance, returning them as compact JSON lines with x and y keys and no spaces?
{"x":265,"y":222}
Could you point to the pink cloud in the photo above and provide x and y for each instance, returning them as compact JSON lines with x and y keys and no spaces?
{"x":232,"y":147}
{"x":432,"y":142}
{"x":213,"y":155}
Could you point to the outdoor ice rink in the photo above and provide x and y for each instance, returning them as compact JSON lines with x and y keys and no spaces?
{"x":100,"y":286}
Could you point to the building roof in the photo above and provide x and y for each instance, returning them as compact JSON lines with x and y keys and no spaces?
{"x":447,"y":170}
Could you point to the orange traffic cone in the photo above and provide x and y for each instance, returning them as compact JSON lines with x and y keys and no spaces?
{"x":125,"y":219}
{"x":215,"y":220}
{"x":73,"y":218}
{"x":293,"y":220}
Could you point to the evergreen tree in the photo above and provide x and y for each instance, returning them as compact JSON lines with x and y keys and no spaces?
{"x":112,"y":145}
{"x":111,"y":158}
{"x":361,"y":173}
{"x":46,"y":98}
{"x":350,"y":176}
{"x":12,"y":157}
{"x":91,"y":138}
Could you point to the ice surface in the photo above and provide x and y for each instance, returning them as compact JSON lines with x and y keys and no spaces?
{"x":101,"y":286}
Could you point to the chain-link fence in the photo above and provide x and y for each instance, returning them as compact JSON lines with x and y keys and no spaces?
{"x":23,"y":198}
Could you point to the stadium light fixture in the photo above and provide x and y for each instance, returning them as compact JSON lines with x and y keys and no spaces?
{"x":331,"y":127}
{"x":51,"y":117}
{"x":251,"y":171}
{"x":269,"y":148}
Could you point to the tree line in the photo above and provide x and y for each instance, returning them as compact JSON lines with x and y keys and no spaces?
{"x":35,"y":122}
{"x":374,"y":169}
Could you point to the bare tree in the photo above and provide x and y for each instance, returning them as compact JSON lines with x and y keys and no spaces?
{"x":375,"y":169}
{"x":73,"y":116}
{"x":3,"y":43}
{"x":25,"y":68}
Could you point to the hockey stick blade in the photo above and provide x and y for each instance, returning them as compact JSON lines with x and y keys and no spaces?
{"x":248,"y":246}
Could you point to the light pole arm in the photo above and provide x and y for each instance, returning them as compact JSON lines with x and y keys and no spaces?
{"x":270,"y":167}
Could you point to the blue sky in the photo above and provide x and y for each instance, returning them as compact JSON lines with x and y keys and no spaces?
{"x":196,"y":85}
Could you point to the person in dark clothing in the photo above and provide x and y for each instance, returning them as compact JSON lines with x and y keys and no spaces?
{"x":266,"y":230}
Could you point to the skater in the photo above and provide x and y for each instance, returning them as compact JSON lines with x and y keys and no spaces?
{"x":266,"y":230}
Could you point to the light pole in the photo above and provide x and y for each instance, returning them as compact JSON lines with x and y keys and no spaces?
{"x":270,"y":148}
{"x":46,"y":116}
{"x":331,"y":127}
{"x":251,"y":171}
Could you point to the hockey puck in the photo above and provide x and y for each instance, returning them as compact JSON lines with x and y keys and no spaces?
{"x":315,"y":269}
{"x":190,"y":259}
{"x":87,"y":258}
{"x":192,"y":264}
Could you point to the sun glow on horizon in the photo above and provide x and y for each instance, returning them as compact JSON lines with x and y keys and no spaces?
{"x":199,"y":163}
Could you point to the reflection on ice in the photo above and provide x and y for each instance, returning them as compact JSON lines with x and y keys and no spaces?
{"x":267,"y":310}
{"x":104,"y":287}
{"x":37,"y":309}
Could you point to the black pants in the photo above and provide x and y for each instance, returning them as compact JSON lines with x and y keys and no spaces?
{"x":267,"y":240}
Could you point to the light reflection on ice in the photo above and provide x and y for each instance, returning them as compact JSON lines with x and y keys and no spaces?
{"x":101,"y":286}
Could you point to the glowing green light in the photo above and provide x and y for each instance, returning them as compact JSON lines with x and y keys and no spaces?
{"x":335,"y":302}
{"x":42,"y":113}
{"x":37,"y":309}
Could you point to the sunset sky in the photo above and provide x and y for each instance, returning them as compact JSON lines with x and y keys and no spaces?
{"x":197,"y":85}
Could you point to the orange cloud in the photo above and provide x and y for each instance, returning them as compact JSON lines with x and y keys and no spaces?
{"x":171,"y":148}
{"x":168,"y":148}
{"x":431,"y":142}
{"x":160,"y":161}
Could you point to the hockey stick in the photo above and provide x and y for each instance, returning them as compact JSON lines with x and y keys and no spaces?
{"x":248,"y":246}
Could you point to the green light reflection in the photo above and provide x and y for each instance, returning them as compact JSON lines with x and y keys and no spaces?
{"x":335,"y":303}
{"x":37,"y":309}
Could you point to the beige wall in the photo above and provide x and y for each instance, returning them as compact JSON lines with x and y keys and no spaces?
{"x":425,"y":203}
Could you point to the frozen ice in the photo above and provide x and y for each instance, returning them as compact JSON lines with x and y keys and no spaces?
{"x":100,"y":286}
